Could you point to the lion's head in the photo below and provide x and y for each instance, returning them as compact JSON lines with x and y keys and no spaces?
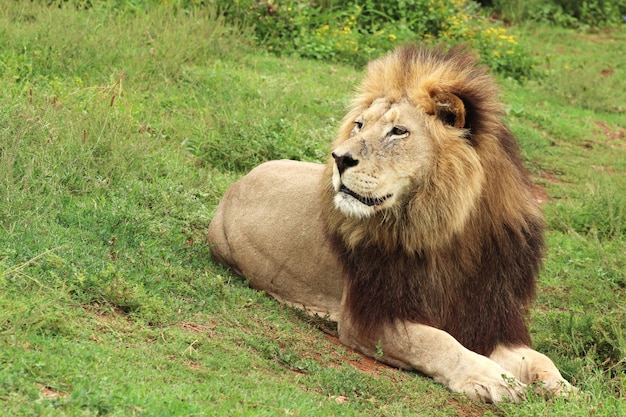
{"x":421,"y":148}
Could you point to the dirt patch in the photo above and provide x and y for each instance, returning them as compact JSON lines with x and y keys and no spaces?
{"x":616,"y":137}
{"x":192,"y":365}
{"x":607,"y":72}
{"x":196,"y":328}
{"x":469,"y":408}
{"x":540,"y":193}
{"x":363,"y":363}
{"x":50,"y":393}
{"x":538,"y":185}
{"x":551,"y":177}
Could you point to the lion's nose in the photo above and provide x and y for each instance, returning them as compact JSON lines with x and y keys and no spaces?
{"x":344,"y":161}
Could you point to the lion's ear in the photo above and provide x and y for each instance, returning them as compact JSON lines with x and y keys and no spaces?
{"x":450,"y":109}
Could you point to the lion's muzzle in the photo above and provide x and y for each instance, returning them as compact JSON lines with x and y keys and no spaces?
{"x":350,"y":202}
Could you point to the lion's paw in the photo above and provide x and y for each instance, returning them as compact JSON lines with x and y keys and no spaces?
{"x":492,"y":389}
{"x":555,"y":385}
{"x":483,"y":379}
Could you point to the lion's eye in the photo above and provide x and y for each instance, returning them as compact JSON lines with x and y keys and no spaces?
{"x":399,"y":131}
{"x":358,"y":124}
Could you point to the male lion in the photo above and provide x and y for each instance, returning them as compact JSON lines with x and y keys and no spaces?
{"x":420,"y":236}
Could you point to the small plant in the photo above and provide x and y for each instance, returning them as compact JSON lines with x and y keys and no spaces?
{"x":379,"y":349}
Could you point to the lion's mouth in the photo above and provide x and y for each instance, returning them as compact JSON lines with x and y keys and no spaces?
{"x":368,"y":201}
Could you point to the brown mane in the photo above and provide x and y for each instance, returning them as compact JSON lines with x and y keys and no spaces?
{"x":475,"y":281}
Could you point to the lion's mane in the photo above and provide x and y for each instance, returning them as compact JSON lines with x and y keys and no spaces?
{"x":464,"y":262}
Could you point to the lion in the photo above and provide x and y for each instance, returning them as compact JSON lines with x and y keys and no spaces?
{"x":420,"y":236}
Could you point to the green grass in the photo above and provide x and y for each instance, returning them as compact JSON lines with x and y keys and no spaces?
{"x":119,"y":133}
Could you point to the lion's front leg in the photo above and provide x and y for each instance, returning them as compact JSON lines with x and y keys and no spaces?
{"x":438,"y":355}
{"x":530,"y":367}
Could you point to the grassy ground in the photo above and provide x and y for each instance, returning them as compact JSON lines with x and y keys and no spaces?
{"x":120,"y":131}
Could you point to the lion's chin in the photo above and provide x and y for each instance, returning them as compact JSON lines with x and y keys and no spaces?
{"x":352,"y":204}
{"x":351,"y":207}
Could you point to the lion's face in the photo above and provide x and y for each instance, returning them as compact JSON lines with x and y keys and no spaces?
{"x":386,"y":152}
{"x":391,"y":153}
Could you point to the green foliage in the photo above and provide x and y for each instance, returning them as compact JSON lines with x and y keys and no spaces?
{"x":599,"y":339}
{"x":594,"y":13}
{"x":241,"y":147}
{"x":355,"y":32}
{"x":602,"y":214}
{"x":566,"y":13}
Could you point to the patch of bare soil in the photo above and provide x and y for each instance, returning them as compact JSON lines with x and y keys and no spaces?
{"x":539,"y":189}
{"x":615,"y":136}
{"x":607,"y":72}
{"x":50,"y":393}
{"x":363,"y":363}
{"x":470,"y":408}
{"x":196,"y":328}
{"x":538,"y":185}
{"x":540,"y":193}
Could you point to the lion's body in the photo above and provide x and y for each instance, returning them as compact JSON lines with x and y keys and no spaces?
{"x":420,"y":235}
{"x":248,"y":238}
